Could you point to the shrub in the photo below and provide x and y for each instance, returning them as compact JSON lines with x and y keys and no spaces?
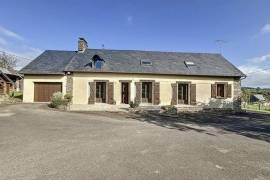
{"x":16,"y":94}
{"x":169,"y":109}
{"x":68,"y":98}
{"x":11,"y":94}
{"x":133,"y":104}
{"x":57,"y":100}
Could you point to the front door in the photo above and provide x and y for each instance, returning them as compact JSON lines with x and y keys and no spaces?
{"x":125,"y":92}
{"x":101,"y":92}
{"x":183,"y":93}
{"x":147,"y":92}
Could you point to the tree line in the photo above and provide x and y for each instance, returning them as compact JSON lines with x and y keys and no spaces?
{"x":247,"y":92}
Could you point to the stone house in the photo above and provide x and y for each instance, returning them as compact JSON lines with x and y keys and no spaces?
{"x":116,"y":77}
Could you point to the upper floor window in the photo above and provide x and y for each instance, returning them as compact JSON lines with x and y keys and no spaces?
{"x":98,"y":62}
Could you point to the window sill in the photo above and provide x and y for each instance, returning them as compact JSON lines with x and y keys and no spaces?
{"x":220,"y":98}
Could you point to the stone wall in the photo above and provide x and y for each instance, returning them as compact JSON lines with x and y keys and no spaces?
{"x":237,"y":95}
{"x":69,"y":88}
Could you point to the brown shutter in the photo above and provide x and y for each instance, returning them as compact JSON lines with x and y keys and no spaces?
{"x":174,"y":94}
{"x":229,"y":91}
{"x":92,"y":97}
{"x":138,"y":92}
{"x":110,"y":93}
{"x":225,"y":90}
{"x":213,"y":90}
{"x":156,"y":93}
{"x":193,"y":94}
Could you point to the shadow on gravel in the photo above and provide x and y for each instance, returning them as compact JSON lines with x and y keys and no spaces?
{"x":252,"y":125}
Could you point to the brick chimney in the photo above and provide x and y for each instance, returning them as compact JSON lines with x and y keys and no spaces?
{"x":82,"y":45}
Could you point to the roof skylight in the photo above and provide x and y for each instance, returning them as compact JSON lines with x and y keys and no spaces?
{"x":146,"y":62}
{"x":189,"y":63}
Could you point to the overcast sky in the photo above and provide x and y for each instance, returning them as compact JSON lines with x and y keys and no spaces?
{"x":29,"y":27}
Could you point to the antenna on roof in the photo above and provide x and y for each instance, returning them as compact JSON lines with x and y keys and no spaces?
{"x":220,"y":43}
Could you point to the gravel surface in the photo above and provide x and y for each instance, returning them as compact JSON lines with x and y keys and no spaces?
{"x":40,"y":143}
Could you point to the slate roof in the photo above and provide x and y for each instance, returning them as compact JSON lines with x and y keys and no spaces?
{"x":6,"y":73}
{"x":9,"y":71}
{"x":49,"y":62}
{"x":259,"y":97}
{"x":6,"y":77}
{"x":129,"y":61}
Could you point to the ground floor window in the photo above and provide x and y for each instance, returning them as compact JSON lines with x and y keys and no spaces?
{"x":147,"y":92}
{"x":220,"y":90}
{"x":101,"y":92}
{"x":183,"y":93}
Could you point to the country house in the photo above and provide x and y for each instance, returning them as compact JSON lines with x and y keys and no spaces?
{"x":103,"y":76}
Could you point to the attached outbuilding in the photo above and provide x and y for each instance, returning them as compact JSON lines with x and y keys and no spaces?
{"x":10,"y":81}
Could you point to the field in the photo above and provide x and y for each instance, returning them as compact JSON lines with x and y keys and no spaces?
{"x":257,"y":107}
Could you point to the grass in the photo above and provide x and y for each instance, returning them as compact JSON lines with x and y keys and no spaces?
{"x":257,"y":108}
{"x":17,"y":94}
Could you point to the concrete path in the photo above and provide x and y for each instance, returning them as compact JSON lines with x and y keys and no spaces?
{"x":40,"y":143}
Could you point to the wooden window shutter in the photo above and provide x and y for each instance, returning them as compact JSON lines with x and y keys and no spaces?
{"x":213,"y":90}
{"x":225,"y":90}
{"x":92,"y":96}
{"x":138,"y":96}
{"x":174,"y":94}
{"x":229,"y":91}
{"x":193,"y":94}
{"x":110,"y":93}
{"x":156,"y":93}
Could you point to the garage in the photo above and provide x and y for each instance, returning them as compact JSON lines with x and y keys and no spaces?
{"x":43,"y":91}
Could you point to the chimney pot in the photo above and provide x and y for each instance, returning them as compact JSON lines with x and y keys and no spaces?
{"x":82,"y":45}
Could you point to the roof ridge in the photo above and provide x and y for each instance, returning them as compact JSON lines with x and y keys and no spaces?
{"x":57,"y":50}
{"x":152,"y":51}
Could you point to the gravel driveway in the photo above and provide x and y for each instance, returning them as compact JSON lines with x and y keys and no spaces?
{"x":40,"y":143}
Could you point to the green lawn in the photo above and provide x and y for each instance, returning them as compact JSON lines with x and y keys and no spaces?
{"x":255,"y":107}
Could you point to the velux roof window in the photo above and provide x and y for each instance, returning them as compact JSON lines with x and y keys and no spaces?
{"x":146,"y":62}
{"x":189,"y":63}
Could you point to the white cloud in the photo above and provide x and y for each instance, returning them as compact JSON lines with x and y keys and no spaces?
{"x":260,"y":59}
{"x":9,"y":33}
{"x":24,"y":55}
{"x":256,"y":76}
{"x":257,"y":70}
{"x":265,"y":29}
{"x":3,"y":41}
{"x":13,"y":43}
{"x":130,"y":20}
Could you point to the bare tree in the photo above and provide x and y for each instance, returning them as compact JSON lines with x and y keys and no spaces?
{"x":7,"y":61}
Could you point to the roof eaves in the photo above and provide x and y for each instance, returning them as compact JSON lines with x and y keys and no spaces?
{"x":5,"y":76}
{"x":43,"y":73}
{"x":205,"y":75}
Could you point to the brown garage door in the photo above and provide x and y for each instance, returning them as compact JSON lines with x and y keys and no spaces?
{"x":44,"y":90}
